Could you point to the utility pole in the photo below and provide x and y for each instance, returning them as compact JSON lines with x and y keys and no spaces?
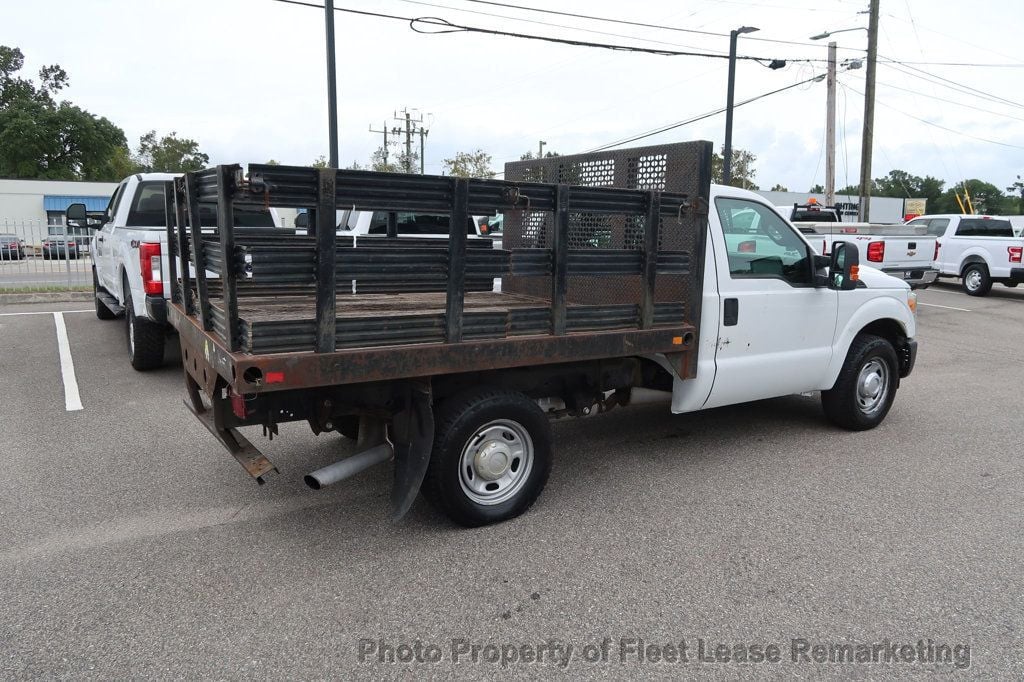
{"x":413,"y":126}
{"x":869,"y":115}
{"x":830,"y":128}
{"x":423,"y":132}
{"x":540,"y":149}
{"x":332,"y":84}
{"x":385,"y":133}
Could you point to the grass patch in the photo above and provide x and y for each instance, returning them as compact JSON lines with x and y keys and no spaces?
{"x":45,"y":289}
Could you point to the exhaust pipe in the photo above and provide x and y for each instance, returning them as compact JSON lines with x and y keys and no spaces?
{"x":349,"y":467}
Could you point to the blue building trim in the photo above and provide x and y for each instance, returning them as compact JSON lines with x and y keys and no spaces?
{"x":61,"y":202}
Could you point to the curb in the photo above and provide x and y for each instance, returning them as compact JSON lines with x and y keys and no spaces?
{"x":47,"y":297}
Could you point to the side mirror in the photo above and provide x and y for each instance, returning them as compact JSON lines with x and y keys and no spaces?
{"x":76,"y":215}
{"x":302,"y":220}
{"x":844,"y":268}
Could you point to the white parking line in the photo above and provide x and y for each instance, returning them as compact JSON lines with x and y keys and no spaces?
{"x":72,"y":400}
{"x":46,"y":312}
{"x":947,"y":307}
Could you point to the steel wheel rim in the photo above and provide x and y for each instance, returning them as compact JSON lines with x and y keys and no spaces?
{"x":872,"y":386}
{"x":496,"y":462}
{"x":973,"y":280}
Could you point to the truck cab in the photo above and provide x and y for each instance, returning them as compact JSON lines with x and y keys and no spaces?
{"x":769,"y":325}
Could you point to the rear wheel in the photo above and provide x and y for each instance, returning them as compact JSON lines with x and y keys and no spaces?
{"x":866,"y":387}
{"x":976,"y":280}
{"x":491,"y":456}
{"x":145,"y":337}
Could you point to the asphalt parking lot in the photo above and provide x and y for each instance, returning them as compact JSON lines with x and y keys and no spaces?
{"x":133,"y":546}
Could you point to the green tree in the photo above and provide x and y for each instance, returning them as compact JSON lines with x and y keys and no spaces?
{"x":170,"y":154}
{"x":43,"y":138}
{"x":1018,"y":188}
{"x":851,"y":190}
{"x":903,"y":185}
{"x":320,"y":162}
{"x":985,"y":198}
{"x":470,"y":165}
{"x":779,"y":188}
{"x":535,"y":174}
{"x":743,"y":171}
{"x":817,"y":189}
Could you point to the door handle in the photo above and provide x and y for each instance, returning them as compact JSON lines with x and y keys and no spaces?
{"x":731,"y":314}
{"x":99,"y":239}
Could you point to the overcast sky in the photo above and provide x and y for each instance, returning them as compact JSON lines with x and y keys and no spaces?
{"x":246,"y":78}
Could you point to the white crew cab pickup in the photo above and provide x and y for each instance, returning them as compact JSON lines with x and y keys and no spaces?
{"x":980,"y":249}
{"x":130,"y":272}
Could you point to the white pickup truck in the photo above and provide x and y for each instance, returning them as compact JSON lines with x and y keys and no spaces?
{"x":902,"y":251}
{"x":130,"y":272}
{"x":980,"y":249}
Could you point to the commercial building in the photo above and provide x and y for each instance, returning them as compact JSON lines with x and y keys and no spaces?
{"x":45,"y":201}
{"x":881,"y":210}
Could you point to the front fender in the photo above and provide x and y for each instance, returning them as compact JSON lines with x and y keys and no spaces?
{"x":885,"y":307}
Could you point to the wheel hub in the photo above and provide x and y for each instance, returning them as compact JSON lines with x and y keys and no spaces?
{"x":973,"y":280}
{"x":872,"y":386}
{"x":492,"y":461}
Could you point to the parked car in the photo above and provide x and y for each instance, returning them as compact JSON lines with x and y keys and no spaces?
{"x":980,"y":249}
{"x":11,"y":247}
{"x":59,"y":247}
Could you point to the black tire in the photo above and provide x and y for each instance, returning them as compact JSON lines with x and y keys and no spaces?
{"x":844,"y":405}
{"x":976,"y":280}
{"x":144,"y":337}
{"x":102,"y":311}
{"x":514,"y":419}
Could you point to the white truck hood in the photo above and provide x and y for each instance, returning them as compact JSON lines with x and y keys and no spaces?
{"x":874,"y":278}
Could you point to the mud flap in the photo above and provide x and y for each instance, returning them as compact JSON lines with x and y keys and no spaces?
{"x":412,"y":434}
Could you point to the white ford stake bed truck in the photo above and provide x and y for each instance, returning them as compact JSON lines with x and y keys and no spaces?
{"x":980,"y":249}
{"x":130,"y":269}
{"x":604,"y":290}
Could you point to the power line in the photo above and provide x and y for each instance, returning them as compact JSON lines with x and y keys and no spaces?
{"x":946,"y":100}
{"x":942,"y":127}
{"x":641,"y":24}
{"x":442,"y":26}
{"x":700,"y":117}
{"x":544,"y":23}
{"x":952,"y":85}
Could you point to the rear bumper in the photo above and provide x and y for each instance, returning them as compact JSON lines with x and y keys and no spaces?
{"x":907,"y":357}
{"x":156,"y":309}
{"x":920,"y":277}
{"x":1017,"y":274}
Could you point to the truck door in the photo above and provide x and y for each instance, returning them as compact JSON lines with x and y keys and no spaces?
{"x":104,"y":245}
{"x":775,"y":328}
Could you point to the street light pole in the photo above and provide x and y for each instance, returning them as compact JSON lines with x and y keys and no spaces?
{"x":332,"y":85}
{"x":727,"y":149}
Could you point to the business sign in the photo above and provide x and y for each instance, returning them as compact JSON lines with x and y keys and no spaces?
{"x":914,"y":207}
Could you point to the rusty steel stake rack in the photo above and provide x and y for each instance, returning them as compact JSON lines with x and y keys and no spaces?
{"x":272,"y":337}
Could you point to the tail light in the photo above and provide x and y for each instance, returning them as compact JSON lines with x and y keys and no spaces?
{"x":1015,"y":253}
{"x":749,"y":246}
{"x":149,"y":260}
{"x":876,"y":252}
{"x":935,"y":256}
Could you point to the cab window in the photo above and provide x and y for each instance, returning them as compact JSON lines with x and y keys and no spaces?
{"x":761,"y":245}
